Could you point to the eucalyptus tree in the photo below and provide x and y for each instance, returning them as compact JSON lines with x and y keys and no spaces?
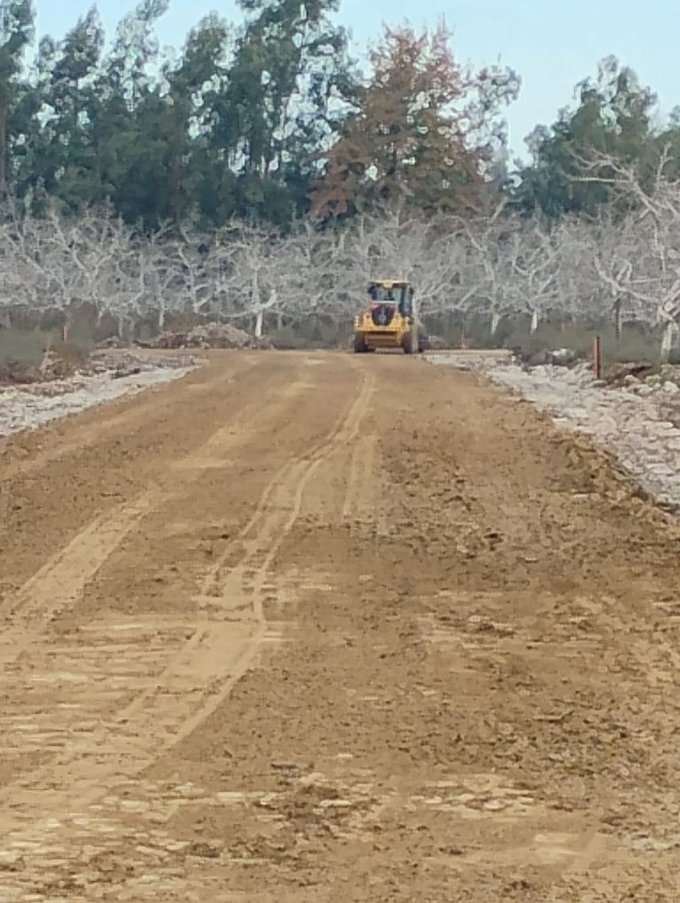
{"x":16,"y":32}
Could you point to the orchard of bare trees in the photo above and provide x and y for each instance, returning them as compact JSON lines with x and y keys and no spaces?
{"x":622,"y":267}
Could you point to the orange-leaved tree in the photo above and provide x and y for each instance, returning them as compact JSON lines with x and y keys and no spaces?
{"x":422,"y":134}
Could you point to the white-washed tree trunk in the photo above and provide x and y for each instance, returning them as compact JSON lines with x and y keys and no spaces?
{"x":535,"y":319}
{"x":670,"y":331}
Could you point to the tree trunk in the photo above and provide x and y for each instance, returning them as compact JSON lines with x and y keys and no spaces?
{"x":254,"y":291}
{"x":617,"y":318}
{"x":415,"y":326}
{"x":3,"y":152}
{"x":669,"y":333}
{"x":534,"y":321}
{"x":495,"y":322}
{"x":259,"y":320}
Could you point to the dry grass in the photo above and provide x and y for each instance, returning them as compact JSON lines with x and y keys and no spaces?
{"x":22,"y":353}
{"x":23,"y":347}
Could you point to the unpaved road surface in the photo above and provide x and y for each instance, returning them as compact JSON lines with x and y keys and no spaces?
{"x":325,"y":629}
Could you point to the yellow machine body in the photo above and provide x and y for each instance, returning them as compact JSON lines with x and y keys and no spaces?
{"x":387,"y":322}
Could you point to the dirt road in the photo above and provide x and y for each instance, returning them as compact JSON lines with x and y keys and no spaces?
{"x":324,"y":629}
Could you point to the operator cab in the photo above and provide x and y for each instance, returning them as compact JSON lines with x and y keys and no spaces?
{"x":390,"y":296}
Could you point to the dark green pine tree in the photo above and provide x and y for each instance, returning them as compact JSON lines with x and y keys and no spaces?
{"x":16,"y":32}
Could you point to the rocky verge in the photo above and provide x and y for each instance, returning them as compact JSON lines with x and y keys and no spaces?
{"x":634,"y":417}
{"x":108,"y":374}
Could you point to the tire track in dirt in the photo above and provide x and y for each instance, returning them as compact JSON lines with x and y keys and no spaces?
{"x":484,"y":733}
{"x":270,"y":525}
{"x":103,"y":470}
{"x":60,"y":582}
{"x":359,"y":503}
{"x":203,"y":671}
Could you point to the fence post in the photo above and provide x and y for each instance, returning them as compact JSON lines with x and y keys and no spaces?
{"x":597,"y":357}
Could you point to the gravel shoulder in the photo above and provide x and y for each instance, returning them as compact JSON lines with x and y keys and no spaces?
{"x":29,"y":406}
{"x":638,"y":424}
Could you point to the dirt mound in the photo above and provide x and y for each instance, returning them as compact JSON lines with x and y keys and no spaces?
{"x":208,"y":335}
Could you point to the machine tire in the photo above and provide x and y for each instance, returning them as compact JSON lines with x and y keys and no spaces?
{"x":359,"y":346}
{"x":407,"y":343}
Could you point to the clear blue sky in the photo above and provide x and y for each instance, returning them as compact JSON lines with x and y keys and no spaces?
{"x":552,"y":44}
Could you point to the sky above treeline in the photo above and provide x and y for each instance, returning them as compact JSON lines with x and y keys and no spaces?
{"x":552,"y":44}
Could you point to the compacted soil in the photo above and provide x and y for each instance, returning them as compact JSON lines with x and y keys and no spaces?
{"x":323,"y":628}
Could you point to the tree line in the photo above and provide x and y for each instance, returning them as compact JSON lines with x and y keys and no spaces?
{"x":259,"y":177}
{"x":272,"y":121}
